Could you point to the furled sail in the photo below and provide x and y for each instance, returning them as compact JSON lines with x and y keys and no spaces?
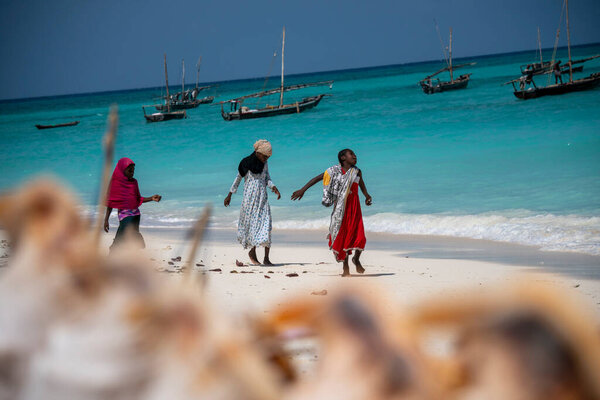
{"x":278,"y":90}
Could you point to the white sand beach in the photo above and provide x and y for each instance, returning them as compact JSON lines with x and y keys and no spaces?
{"x":407,"y":268}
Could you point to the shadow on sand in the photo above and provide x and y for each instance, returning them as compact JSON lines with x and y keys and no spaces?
{"x":278,"y":265}
{"x":363,"y":275}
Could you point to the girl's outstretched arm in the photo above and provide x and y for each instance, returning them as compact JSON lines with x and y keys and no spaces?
{"x":155,"y":197}
{"x":363,"y":188}
{"x":297,"y":195}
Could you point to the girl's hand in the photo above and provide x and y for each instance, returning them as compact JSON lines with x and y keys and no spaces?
{"x":106,"y":225}
{"x":297,"y":195}
{"x":368,"y":200}
{"x":156,"y":198}
{"x":227,"y":200}
{"x":276,"y":192}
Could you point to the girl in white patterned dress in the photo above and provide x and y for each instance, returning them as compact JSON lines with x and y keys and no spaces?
{"x":254,"y":225}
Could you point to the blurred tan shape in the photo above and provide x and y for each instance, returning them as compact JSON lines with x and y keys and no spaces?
{"x":526,"y":342}
{"x":363,"y":354}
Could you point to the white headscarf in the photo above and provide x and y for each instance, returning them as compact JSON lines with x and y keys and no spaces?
{"x":263,"y":146}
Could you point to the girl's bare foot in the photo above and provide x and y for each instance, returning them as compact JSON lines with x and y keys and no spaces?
{"x":359,"y":267}
{"x":346,"y":271}
{"x":252,"y":255}
{"x":266,"y":261}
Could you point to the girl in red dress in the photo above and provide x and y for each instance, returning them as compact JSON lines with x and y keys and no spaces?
{"x":340,"y":189}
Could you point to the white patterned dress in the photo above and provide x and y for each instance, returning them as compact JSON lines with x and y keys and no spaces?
{"x":254,"y":225}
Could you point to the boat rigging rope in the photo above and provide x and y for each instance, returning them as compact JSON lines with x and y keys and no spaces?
{"x":437,"y":28}
{"x":556,"y":42}
{"x":267,"y":78}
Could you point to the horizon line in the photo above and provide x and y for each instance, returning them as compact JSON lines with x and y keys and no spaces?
{"x":18,"y":99}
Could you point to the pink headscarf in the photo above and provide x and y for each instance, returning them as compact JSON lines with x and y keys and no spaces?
{"x":123,"y":193}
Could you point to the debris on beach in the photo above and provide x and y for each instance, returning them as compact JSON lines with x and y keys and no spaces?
{"x":270,"y":272}
{"x":199,"y":265}
{"x":215,"y":270}
{"x":292,"y":275}
{"x":171,"y":263}
{"x":239,"y":263}
{"x":178,"y":258}
{"x":233,"y":271}
{"x":267,"y":276}
{"x":319,"y":293}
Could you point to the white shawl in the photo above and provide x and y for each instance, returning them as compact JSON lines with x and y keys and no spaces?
{"x":336,"y":187}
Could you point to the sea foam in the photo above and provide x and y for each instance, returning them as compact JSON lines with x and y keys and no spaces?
{"x":546,"y":231}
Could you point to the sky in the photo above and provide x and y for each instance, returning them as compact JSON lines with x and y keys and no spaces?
{"x":77,"y":46}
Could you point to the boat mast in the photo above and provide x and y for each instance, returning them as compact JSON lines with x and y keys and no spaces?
{"x":282,"y":48}
{"x":437,"y":29}
{"x":198,"y":70}
{"x":182,"y":77}
{"x":450,"y":56}
{"x":569,"y":44}
{"x":540,"y":46}
{"x":167,"y":85}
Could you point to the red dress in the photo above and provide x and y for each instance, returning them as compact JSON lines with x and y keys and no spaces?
{"x":352,"y":232}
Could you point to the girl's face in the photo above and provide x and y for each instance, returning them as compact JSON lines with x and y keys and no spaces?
{"x":129,"y":171}
{"x":262,"y":157}
{"x":350,"y":158}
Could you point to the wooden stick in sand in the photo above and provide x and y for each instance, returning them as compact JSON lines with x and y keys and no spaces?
{"x":196,"y":235}
{"x":109,"y":149}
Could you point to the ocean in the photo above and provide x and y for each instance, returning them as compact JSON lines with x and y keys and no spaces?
{"x":474,"y":163}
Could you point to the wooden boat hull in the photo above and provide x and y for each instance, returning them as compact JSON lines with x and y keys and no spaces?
{"x":159,"y":117}
{"x":547,"y":68}
{"x":565,"y":70}
{"x":206,"y":100}
{"x":460,"y":83}
{"x":576,"y":86}
{"x":306,"y":104}
{"x":186,"y":105}
{"x":536,"y":68}
{"x":57,"y":125}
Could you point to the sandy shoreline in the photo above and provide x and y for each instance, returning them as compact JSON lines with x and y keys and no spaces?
{"x":408,"y":268}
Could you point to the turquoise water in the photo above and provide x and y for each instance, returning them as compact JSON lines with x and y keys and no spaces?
{"x":472,"y":163}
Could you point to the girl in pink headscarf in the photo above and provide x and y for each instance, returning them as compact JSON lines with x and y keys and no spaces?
{"x":124,"y":195}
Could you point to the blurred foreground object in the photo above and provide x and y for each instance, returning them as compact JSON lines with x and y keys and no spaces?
{"x":77,"y":324}
{"x":364,"y":355}
{"x":528,"y":341}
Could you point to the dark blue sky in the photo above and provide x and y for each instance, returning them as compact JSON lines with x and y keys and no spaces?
{"x":74,"y":46}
